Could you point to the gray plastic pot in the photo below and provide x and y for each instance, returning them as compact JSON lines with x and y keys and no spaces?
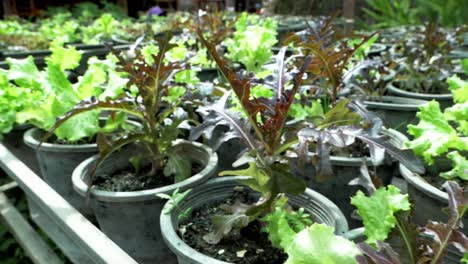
{"x":344,"y":169}
{"x":445,"y":100}
{"x":396,"y":112}
{"x":57,"y":162}
{"x":429,"y":202}
{"x":14,"y":142}
{"x":214,"y":191}
{"x":131,"y":219}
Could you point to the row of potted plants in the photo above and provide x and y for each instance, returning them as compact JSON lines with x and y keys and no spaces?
{"x":280,"y":152}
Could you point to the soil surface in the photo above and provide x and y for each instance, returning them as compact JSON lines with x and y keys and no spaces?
{"x":247,"y":246}
{"x":436,"y":90}
{"x":358,"y":149}
{"x":54,"y":140}
{"x":127,"y":180}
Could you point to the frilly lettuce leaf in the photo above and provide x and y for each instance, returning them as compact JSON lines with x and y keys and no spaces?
{"x":317,"y":244}
{"x":24,"y":73}
{"x":14,"y":99}
{"x":282,"y":225}
{"x":433,"y":135}
{"x":460,"y":167}
{"x":459,"y":89}
{"x":459,"y":111}
{"x":252,"y":42}
{"x":62,"y":95}
{"x":377,"y":211}
{"x":66,"y":58}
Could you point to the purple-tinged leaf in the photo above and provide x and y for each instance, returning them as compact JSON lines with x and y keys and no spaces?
{"x":384,"y":254}
{"x":364,"y":179}
{"x":404,"y":156}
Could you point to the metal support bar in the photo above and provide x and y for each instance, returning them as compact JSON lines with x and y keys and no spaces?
{"x":37,"y":250}
{"x":87,"y":239}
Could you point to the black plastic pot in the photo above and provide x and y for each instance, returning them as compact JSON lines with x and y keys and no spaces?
{"x":57,"y":162}
{"x":130,"y":219}
{"x":99,"y":51}
{"x":445,"y":100}
{"x":396,"y":112}
{"x":344,"y":169}
{"x":13,"y":141}
{"x":208,"y":74}
{"x":214,"y":191}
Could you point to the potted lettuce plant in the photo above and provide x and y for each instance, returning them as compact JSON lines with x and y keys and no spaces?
{"x":392,"y":236}
{"x":73,"y":142}
{"x":343,"y":132}
{"x":133,"y":166}
{"x":233,"y":211}
{"x":368,"y":81}
{"x":441,"y":139}
{"x":425,"y":67}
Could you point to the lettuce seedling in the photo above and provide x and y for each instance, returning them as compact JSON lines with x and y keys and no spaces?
{"x":252,"y":42}
{"x":425,"y":64}
{"x":263,"y":132}
{"x":149,"y":97}
{"x":344,"y":121}
{"x":387,"y":221}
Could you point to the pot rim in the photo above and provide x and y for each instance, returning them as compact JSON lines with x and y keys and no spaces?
{"x":180,"y":248}
{"x":399,"y":92}
{"x":82,"y":187}
{"x":31,"y":139}
{"x":404,"y":104}
{"x":419,"y":182}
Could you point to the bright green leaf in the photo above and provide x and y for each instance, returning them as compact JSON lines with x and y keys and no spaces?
{"x":460,"y":167}
{"x":318,"y":245}
{"x":377,"y":211}
{"x":433,"y":135}
{"x":258,"y":180}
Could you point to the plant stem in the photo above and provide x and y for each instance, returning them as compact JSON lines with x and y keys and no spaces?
{"x":407,"y":242}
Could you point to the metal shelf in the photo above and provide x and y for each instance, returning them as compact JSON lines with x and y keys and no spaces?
{"x":79,"y":239}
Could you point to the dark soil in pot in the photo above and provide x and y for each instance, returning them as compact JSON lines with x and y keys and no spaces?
{"x":221,"y":190}
{"x":126,"y":180}
{"x":435,"y":90}
{"x":248,"y":245}
{"x":131,"y":218}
